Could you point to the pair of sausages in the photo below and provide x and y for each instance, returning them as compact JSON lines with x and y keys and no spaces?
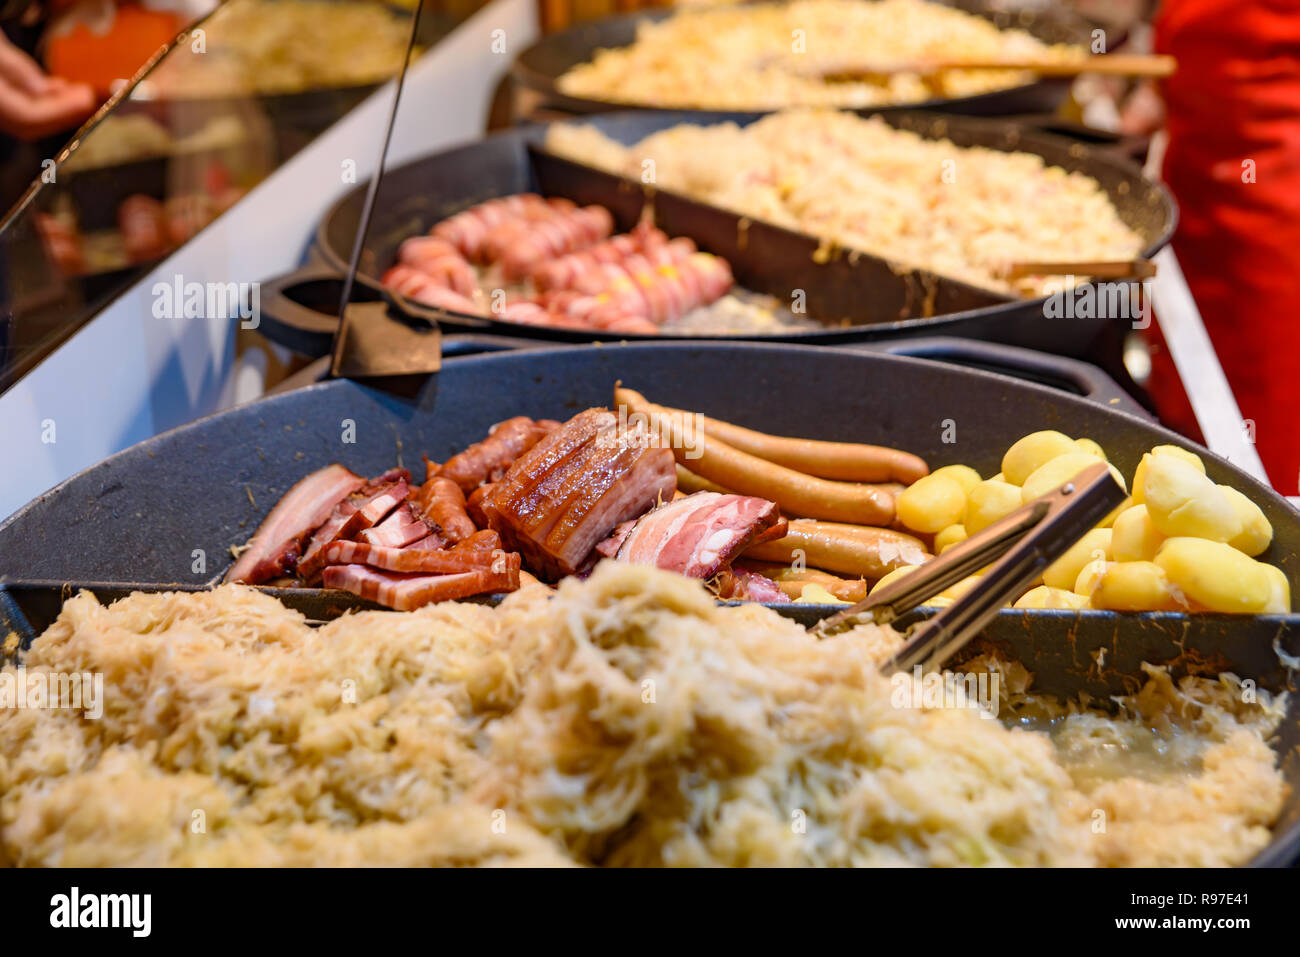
{"x":745,"y":473}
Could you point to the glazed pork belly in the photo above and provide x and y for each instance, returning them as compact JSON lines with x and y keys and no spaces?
{"x":696,"y":535}
{"x":572,"y":488}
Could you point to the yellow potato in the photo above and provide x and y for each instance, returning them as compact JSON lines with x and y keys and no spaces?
{"x":1140,"y":472}
{"x":815,"y":594}
{"x":1135,"y":586}
{"x":1059,"y":471}
{"x":963,"y":475}
{"x":1279,"y":602}
{"x":1256,"y":533}
{"x":1216,"y":575}
{"x":1091,"y":447}
{"x":1044,"y":597}
{"x":1063,"y":572}
{"x":891,"y":577}
{"x":1090,"y":577}
{"x":949,"y":537}
{"x":1135,"y":537}
{"x":1033,"y":451}
{"x":999,"y":478}
{"x":931,"y":504}
{"x":1123,"y":506}
{"x":1183,"y":503}
{"x":988,"y":502}
{"x":966,"y":584}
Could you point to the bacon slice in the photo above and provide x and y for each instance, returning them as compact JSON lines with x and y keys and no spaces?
{"x":571,"y":489}
{"x":357,"y":512}
{"x":274,"y":547}
{"x":401,"y":528}
{"x":698,"y":535}
{"x":487,"y":460}
{"x":406,"y":592}
{"x":443,"y":504}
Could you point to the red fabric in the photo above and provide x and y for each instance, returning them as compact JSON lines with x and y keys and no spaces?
{"x":1236,"y":97}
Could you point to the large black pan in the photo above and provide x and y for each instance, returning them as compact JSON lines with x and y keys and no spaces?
{"x":539,"y":68}
{"x":857,"y":297}
{"x":148,"y":513}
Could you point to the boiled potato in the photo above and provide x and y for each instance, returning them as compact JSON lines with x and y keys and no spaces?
{"x":1135,"y":537}
{"x":1139,"y":474}
{"x":1279,"y":602}
{"x":1216,"y":575}
{"x":815,"y":594}
{"x":949,"y":537}
{"x":1044,"y":597}
{"x":962,"y":587}
{"x":1059,"y":471}
{"x":931,"y":504}
{"x":963,"y":475}
{"x":890,"y":577}
{"x":1256,"y":533}
{"x":988,"y":502}
{"x":1183,"y":503}
{"x":1090,"y":577}
{"x":1135,"y":586}
{"x":1091,"y":447}
{"x":999,"y":478}
{"x":1033,"y":451}
{"x":1063,"y":572}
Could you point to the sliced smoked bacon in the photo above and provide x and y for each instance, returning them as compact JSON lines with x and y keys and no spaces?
{"x":406,"y":592}
{"x":570,"y":490}
{"x":488,"y":460}
{"x":697,"y":535}
{"x":274,"y":548}
{"x":398,"y":530}
{"x":481,"y":552}
{"x":359,"y":511}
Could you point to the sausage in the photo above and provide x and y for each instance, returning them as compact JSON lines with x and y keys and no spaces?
{"x":845,"y":461}
{"x":467,"y":230}
{"x":443,"y":503}
{"x":837,"y":547}
{"x":555,"y":236}
{"x":439,"y":260}
{"x":474,"y":506}
{"x":564,"y":272}
{"x":745,"y":474}
{"x":791,"y":581}
{"x":427,"y":291}
{"x":488,"y":460}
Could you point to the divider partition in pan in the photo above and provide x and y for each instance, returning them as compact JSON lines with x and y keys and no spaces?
{"x":857,"y":297}
{"x":205,"y":487}
{"x":539,"y":68}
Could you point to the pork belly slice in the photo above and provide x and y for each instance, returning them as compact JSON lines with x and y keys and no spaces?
{"x":357,"y":512}
{"x":406,"y":592}
{"x":398,"y":530}
{"x":698,"y":535}
{"x":480,"y":554}
{"x":277,"y":543}
{"x":570,"y":490}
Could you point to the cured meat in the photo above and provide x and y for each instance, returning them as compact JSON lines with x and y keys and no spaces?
{"x":406,"y":592}
{"x":570,"y":490}
{"x":275,"y":546}
{"x":428,"y":291}
{"x":488,"y":460}
{"x":401,"y":528}
{"x":697,"y":535}
{"x":738,"y":584}
{"x":359,"y":511}
{"x":468,"y":230}
{"x":443,"y":503}
{"x":549,"y":238}
{"x":439,"y":260}
{"x":466,"y":557}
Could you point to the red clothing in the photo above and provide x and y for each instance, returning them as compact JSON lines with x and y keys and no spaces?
{"x":1234,"y":116}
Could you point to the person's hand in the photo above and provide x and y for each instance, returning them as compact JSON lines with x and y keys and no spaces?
{"x":33,"y":104}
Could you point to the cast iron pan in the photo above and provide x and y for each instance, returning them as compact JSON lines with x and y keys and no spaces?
{"x":857,"y":297}
{"x":146,"y":513}
{"x":540,"y":67}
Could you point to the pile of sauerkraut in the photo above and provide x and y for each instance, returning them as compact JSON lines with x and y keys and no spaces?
{"x":623,"y":720}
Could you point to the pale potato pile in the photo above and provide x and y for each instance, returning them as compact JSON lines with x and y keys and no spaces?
{"x":861,"y":184}
{"x":626,"y":720}
{"x":750,"y":57}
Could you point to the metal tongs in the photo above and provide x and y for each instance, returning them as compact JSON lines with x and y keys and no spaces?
{"x":1022,"y":544}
